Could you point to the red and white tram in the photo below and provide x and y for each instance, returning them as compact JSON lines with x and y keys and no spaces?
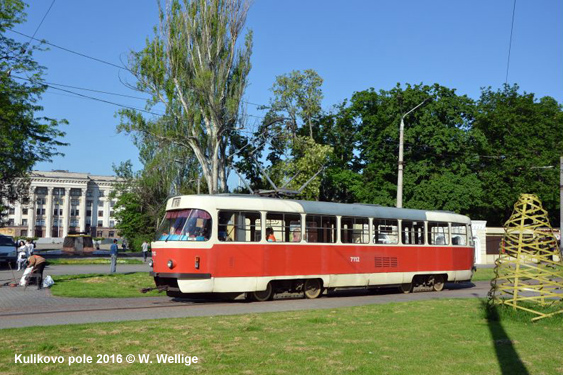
{"x":261,"y":246}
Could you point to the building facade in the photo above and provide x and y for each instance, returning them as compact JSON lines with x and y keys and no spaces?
{"x":62,"y":202}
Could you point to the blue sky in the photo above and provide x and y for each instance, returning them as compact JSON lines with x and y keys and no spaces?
{"x":353,"y":45}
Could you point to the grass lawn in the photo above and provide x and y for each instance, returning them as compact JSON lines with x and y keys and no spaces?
{"x":484,"y":274}
{"x":104,"y":285}
{"x":87,"y":261}
{"x":428,"y":337}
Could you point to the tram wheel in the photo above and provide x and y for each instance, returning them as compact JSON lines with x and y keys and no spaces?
{"x":438,"y":284}
{"x":405,"y":288}
{"x":313,"y":288}
{"x":264,"y":295}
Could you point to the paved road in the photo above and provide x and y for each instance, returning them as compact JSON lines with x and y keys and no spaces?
{"x":19,"y":308}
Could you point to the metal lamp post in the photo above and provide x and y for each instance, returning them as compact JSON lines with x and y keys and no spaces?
{"x":401,"y":136}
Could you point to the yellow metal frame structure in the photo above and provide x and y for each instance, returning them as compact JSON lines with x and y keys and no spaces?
{"x":529,"y":268}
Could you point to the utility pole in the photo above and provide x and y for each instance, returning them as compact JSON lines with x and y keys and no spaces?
{"x":401,"y":137}
{"x":560,"y":205}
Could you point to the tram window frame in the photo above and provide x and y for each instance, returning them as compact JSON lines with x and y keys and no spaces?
{"x":321,"y":234}
{"x":289,"y":227}
{"x":457,"y":236}
{"x":412,"y":232}
{"x":354,"y":235}
{"x":230,"y":231}
{"x":434,"y":236}
{"x":385,"y":227}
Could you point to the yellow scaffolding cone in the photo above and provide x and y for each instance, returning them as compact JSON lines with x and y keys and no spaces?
{"x":528,"y":270}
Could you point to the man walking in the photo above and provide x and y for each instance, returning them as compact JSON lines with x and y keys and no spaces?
{"x":113,"y":252}
{"x":145,"y":248}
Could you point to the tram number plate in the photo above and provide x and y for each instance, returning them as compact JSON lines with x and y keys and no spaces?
{"x":355,"y":259}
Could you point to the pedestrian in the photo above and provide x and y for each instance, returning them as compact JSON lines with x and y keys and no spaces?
{"x":145,"y":247}
{"x":123,"y":245}
{"x":113,"y":252}
{"x":22,"y":255}
{"x":37,"y":263}
{"x":30,"y":247}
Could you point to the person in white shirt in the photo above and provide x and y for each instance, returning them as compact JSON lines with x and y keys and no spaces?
{"x":145,"y":247}
{"x":22,"y":255}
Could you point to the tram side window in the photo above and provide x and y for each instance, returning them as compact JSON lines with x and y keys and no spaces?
{"x":412,"y":232}
{"x":239,"y":226}
{"x":459,"y":234}
{"x":354,"y":230}
{"x":287,"y":227}
{"x":185,"y":225}
{"x":438,"y":233}
{"x":385,"y":231}
{"x":321,"y":228}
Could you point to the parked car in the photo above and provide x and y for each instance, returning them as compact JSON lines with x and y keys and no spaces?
{"x":8,"y":249}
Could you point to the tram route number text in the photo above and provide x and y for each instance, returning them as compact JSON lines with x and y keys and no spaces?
{"x":355,"y":259}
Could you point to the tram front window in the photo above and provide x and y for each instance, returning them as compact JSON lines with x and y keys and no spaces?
{"x":185,"y":225}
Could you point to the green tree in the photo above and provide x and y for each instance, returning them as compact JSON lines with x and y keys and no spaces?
{"x":521,"y":155}
{"x":195,"y":70}
{"x":288,"y":131}
{"x":25,"y":138}
{"x":440,"y":148}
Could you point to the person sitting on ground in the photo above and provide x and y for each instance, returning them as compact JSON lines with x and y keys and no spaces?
{"x":270,"y":235}
{"x":38,"y":263}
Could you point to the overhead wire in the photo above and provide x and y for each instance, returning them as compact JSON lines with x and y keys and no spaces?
{"x":510,"y":43}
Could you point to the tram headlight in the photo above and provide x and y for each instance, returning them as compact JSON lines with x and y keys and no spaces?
{"x":170,"y":264}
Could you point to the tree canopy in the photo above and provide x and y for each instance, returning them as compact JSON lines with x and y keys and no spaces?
{"x":25,"y":137}
{"x":195,"y":68}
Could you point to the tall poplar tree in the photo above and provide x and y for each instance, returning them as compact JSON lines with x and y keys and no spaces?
{"x":194,"y":68}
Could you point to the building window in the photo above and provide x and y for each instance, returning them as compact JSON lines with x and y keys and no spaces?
{"x":11,"y":211}
{"x":58,"y":212}
{"x":10,"y":222}
{"x":100,"y":203}
{"x":24,"y":211}
{"x":111,"y":213}
{"x":41,"y":190}
{"x":74,"y":223}
{"x":100,"y":213}
{"x":58,"y":192}
{"x":74,"y":202}
{"x":112,"y":203}
{"x":40,"y":211}
{"x":99,"y":233}
{"x":111,"y":234}
{"x":75,"y":192}
{"x":40,"y":201}
{"x":25,"y":201}
{"x":88,"y":212}
{"x":40,"y":222}
{"x":112,"y":224}
{"x":23,"y":233}
{"x":100,"y":223}
{"x":100,"y":193}
{"x":24,"y":222}
{"x":74,"y":212}
{"x":88,"y":203}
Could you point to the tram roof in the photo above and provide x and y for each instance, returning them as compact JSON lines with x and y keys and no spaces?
{"x":252,"y":202}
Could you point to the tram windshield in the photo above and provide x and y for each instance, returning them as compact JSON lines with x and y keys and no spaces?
{"x":185,"y":225}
